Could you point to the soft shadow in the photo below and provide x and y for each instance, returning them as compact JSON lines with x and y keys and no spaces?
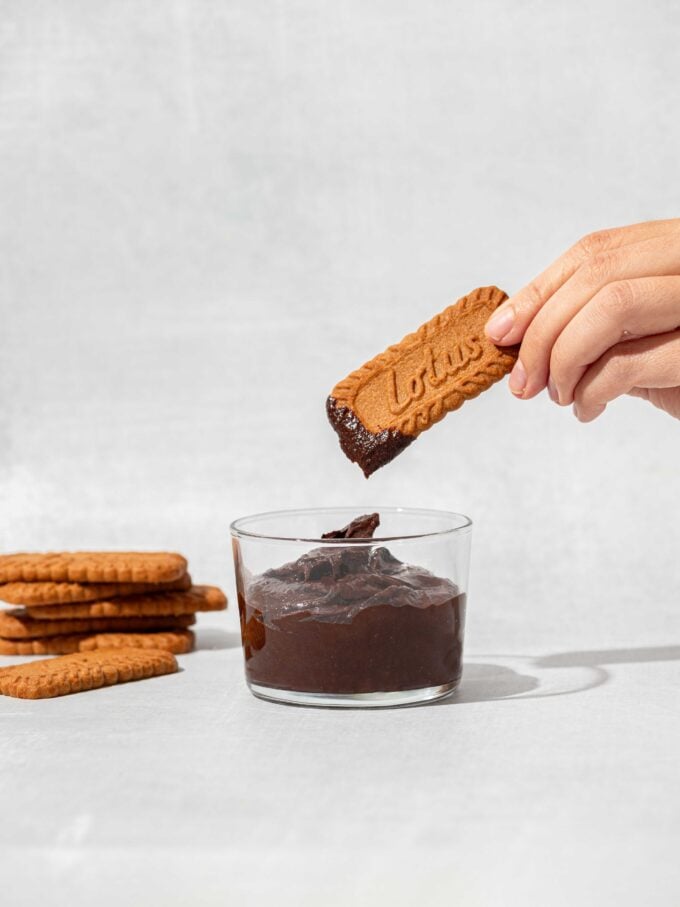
{"x":522,"y":677}
{"x":596,"y":657}
{"x":482,"y":682}
{"x":545,"y":676}
{"x":214,"y":638}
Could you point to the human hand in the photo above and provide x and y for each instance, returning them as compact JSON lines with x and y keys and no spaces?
{"x":601,"y":321}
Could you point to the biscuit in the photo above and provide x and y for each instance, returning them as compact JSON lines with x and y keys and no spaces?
{"x":92,"y":567}
{"x":177,"y":641}
{"x":64,"y":593}
{"x":198,"y":598}
{"x":381,"y":408}
{"x":83,"y":671}
{"x":17,"y":624}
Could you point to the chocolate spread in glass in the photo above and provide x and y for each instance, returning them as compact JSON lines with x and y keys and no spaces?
{"x":351,"y":619}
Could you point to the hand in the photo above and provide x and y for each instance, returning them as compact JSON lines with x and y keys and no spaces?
{"x":601,"y":321}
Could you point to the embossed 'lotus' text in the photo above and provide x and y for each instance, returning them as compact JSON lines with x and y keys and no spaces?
{"x":436,"y":370}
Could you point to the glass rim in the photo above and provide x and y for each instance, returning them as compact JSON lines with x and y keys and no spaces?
{"x":463,"y":525}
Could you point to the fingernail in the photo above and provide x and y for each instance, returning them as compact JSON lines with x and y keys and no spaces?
{"x":518,"y":379}
{"x":552,"y":391}
{"x":593,"y":412}
{"x":500,"y":324}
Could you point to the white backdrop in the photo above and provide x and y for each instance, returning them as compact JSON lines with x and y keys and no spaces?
{"x":212,"y":211}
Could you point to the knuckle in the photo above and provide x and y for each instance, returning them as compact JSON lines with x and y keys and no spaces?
{"x":532,"y":297}
{"x":594,"y":243}
{"x":598,"y":268}
{"x":616,"y":299}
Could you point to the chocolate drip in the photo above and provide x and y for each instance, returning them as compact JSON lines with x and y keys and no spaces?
{"x":368,"y":449}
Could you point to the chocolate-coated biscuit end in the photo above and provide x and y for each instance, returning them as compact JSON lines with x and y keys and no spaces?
{"x":370,"y":450}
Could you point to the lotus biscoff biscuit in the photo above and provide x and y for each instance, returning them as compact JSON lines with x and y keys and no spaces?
{"x":93,"y":567}
{"x":83,"y":671}
{"x":159,"y":604}
{"x":381,"y":408}
{"x":177,"y":641}
{"x":50,"y":593}
{"x":17,"y":624}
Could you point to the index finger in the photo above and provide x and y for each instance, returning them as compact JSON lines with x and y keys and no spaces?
{"x":510,"y":320}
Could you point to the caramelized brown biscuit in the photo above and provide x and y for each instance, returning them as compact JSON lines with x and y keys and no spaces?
{"x":381,"y":408}
{"x":198,"y":598}
{"x":83,"y":671}
{"x":65,"y":593}
{"x":92,"y":567}
{"x":18,"y":624}
{"x":177,"y":641}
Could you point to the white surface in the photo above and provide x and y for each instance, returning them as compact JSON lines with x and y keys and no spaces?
{"x":209,"y":212}
{"x":187,"y":790}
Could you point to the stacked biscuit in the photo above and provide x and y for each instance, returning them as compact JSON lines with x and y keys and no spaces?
{"x":100,"y":601}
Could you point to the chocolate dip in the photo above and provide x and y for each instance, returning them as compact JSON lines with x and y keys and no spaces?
{"x":370,"y":450}
{"x":351,"y":619}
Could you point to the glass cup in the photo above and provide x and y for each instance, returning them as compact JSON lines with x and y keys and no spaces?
{"x":358,"y":622}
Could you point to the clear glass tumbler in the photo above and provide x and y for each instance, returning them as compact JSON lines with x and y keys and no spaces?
{"x":352,"y":622}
